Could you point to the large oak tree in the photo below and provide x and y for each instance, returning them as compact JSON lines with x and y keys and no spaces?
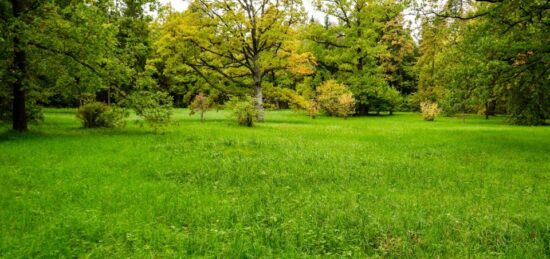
{"x":233,"y":44}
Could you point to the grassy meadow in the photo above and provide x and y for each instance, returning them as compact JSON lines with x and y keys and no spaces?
{"x":393,"y":186}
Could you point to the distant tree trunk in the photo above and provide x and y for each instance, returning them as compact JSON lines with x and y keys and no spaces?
{"x":362,"y":110}
{"x":19,"y":115}
{"x":109,"y":95}
{"x":493,"y":107}
{"x":486,"y":110}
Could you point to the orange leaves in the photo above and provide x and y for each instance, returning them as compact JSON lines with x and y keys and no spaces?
{"x":302,"y":63}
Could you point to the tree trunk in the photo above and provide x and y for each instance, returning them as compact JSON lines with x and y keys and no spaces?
{"x":486,"y":110}
{"x":109,"y":95}
{"x":258,"y":95}
{"x":19,"y":115}
{"x":259,"y":99}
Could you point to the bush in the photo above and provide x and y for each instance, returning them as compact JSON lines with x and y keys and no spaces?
{"x":429,"y":110}
{"x":200,"y":104}
{"x":243,"y":110}
{"x":313,"y":108}
{"x":346,"y":105}
{"x":100,"y":115}
{"x":336,"y":99}
{"x":153,"y":107}
{"x":116,"y":117}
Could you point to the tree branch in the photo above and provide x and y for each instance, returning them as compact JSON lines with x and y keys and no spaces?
{"x":66,"y":54}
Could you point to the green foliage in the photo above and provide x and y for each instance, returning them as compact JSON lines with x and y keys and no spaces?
{"x":493,"y":57}
{"x":367,"y":49}
{"x":153,"y":107}
{"x":398,"y":59}
{"x":409,"y":103}
{"x":233,"y":46}
{"x":34,"y":111}
{"x":54,"y":49}
{"x":100,"y":115}
{"x":243,"y":110}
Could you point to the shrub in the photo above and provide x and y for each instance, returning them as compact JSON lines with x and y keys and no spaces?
{"x":100,"y":115}
{"x":334,"y":98}
{"x":313,"y":108}
{"x":200,"y":104}
{"x":243,"y":110}
{"x":429,"y":110}
{"x":346,"y":105}
{"x":116,"y":117}
{"x":153,"y":107}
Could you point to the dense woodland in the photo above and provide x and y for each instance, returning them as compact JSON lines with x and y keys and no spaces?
{"x":471,"y":56}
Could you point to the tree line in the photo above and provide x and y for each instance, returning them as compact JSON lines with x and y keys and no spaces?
{"x":484,"y":56}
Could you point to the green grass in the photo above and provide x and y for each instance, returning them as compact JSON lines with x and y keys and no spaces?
{"x":290,"y":187}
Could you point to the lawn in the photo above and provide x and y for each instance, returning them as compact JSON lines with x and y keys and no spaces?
{"x":290,"y":187}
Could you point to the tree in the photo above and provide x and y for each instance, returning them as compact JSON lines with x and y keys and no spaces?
{"x":397,"y":62}
{"x":350,"y":49}
{"x":200,"y":104}
{"x":501,"y":53}
{"x":42,"y":34}
{"x":232,"y":45}
{"x":133,"y":44}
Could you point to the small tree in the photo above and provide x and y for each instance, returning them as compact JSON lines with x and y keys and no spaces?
{"x":200,"y":104}
{"x":154,"y":107}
